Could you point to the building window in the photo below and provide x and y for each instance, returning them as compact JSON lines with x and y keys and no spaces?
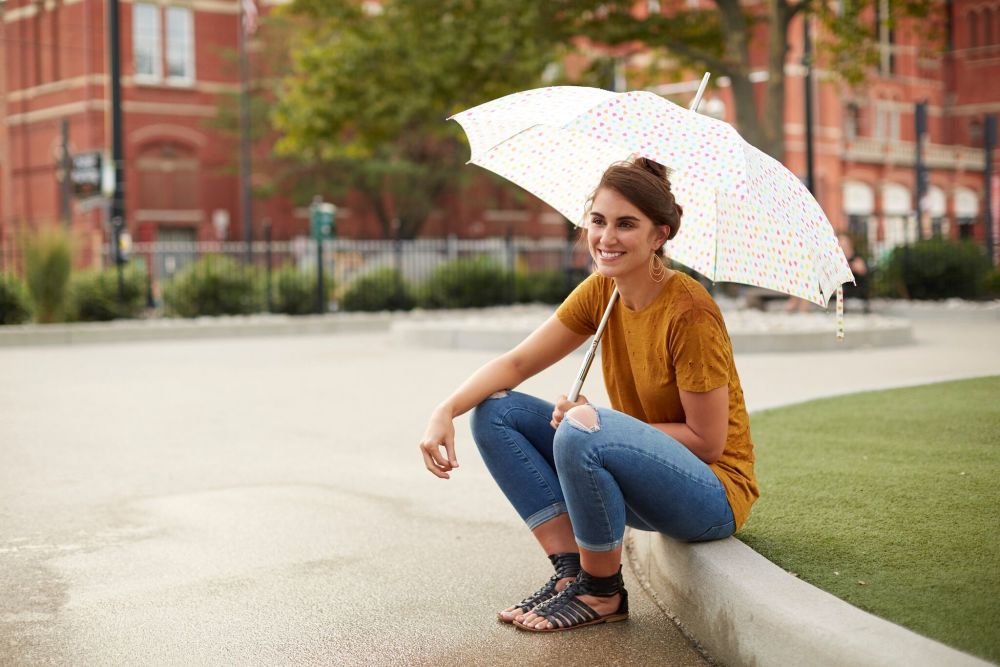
{"x":160,"y":34}
{"x":852,"y":121}
{"x":146,"y":40}
{"x":987,"y":27}
{"x":180,"y":44}
{"x":973,"y":19}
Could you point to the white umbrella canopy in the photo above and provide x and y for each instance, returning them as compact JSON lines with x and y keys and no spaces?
{"x":747,"y":219}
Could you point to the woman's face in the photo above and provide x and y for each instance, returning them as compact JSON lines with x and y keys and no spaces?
{"x":620,"y":237}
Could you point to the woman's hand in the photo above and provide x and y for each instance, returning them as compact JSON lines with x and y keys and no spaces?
{"x":563,"y":406}
{"x":440,"y":433}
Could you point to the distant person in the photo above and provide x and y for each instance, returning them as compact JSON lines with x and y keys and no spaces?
{"x":672,"y":455}
{"x":858,"y":267}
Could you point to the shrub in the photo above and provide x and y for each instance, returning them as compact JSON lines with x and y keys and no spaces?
{"x":547,"y":286}
{"x":213,"y":285}
{"x":382,"y":289}
{"x":15,"y":306}
{"x":934,"y":269}
{"x":48,"y":260}
{"x":467,"y":283}
{"x":293,"y":292}
{"x":991,"y":284}
{"x":93,"y":295}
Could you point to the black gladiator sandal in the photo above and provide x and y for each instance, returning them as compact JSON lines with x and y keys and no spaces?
{"x":565,"y":612}
{"x":567,"y":566}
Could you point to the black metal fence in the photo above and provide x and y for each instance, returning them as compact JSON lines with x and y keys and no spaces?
{"x":298,"y":277}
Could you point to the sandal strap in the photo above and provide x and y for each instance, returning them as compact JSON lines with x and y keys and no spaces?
{"x":602,"y":587}
{"x":567,"y":565}
{"x":565,"y":610}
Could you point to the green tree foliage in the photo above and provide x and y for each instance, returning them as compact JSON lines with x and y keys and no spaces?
{"x":720,"y":38}
{"x":369,"y":91}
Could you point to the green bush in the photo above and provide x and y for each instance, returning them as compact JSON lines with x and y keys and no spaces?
{"x":991,"y":284}
{"x":214,"y":285}
{"x":15,"y":306}
{"x":293,"y":292}
{"x":93,"y":295}
{"x":467,"y":283}
{"x":934,"y":269}
{"x":382,"y":289}
{"x":546,"y":286}
{"x":48,"y":260}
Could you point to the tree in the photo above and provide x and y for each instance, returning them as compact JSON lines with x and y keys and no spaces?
{"x":718,"y":38}
{"x":371,"y":86}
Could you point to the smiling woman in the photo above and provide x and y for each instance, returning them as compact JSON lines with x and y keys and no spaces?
{"x":673,"y":454}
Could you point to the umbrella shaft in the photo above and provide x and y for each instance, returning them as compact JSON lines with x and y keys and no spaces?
{"x":574,"y":393}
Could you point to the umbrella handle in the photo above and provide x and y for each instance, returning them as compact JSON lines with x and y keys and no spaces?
{"x":574,"y":393}
{"x":581,"y":375}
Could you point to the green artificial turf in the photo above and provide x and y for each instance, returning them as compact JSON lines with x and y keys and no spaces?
{"x":890,"y":500}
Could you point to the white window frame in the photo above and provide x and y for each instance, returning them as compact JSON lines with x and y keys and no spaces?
{"x":185,"y":49}
{"x":157,"y":48}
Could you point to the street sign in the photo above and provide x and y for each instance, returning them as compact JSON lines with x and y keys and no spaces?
{"x":85,"y":174}
{"x":323,"y":216}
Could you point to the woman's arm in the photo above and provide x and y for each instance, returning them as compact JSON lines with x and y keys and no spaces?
{"x":549,"y":343}
{"x":706,"y":423}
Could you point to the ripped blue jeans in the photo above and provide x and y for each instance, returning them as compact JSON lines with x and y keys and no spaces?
{"x":620,"y":472}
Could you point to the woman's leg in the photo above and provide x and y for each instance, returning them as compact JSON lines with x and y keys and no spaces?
{"x":612,"y":467}
{"x":615,"y":465}
{"x":514,"y":437}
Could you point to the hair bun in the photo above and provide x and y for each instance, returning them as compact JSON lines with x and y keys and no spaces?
{"x":653,"y":167}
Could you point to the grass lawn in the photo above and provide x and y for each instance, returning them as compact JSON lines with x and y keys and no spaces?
{"x":890,"y":500}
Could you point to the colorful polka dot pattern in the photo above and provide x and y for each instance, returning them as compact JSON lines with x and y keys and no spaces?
{"x":747,"y":219}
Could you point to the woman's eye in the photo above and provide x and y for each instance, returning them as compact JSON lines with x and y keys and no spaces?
{"x":597,"y":221}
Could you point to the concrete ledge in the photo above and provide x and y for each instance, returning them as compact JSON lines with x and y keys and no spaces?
{"x":742,"y":609}
{"x":750,"y":332}
{"x":181,"y":329}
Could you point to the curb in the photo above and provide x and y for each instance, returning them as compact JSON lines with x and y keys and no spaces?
{"x":742,"y":609}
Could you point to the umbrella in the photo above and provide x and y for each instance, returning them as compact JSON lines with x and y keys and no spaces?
{"x":747,"y":219}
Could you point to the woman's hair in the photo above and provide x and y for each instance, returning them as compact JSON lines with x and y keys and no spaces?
{"x":646,"y":185}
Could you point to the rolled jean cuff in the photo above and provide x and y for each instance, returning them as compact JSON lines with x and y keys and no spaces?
{"x":544,"y":514}
{"x":610,"y":546}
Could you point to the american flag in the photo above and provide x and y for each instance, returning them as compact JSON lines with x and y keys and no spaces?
{"x":249,"y":10}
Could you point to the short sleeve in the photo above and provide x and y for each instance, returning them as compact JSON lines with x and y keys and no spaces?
{"x":581,"y":311}
{"x":700,"y":350}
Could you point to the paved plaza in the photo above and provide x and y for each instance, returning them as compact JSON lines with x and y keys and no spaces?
{"x":261,"y":501}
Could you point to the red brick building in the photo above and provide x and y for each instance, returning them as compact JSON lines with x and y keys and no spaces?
{"x":179,"y":170}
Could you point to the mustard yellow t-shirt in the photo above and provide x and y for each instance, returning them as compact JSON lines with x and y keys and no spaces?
{"x":679,"y":341}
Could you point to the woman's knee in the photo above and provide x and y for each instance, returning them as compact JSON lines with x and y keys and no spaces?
{"x":577,"y":436}
{"x":488,"y":413}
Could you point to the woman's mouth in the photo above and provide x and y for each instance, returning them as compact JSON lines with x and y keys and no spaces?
{"x":608,"y":255}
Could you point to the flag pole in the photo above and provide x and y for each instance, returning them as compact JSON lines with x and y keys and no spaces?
{"x":574,"y":392}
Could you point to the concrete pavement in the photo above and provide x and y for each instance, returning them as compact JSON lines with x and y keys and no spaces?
{"x":262,"y":501}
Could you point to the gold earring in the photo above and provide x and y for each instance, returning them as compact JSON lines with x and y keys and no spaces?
{"x":656,"y":268}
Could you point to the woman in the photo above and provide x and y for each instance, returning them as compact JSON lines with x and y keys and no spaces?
{"x":674,"y":454}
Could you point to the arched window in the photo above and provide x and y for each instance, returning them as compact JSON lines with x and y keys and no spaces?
{"x":973,"y":19}
{"x":988,"y":27}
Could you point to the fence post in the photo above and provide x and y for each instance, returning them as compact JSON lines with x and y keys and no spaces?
{"x":511,"y":264}
{"x":268,"y":251}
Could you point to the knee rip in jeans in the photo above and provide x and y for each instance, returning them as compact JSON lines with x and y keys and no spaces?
{"x":499,"y":394}
{"x":585,"y":418}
